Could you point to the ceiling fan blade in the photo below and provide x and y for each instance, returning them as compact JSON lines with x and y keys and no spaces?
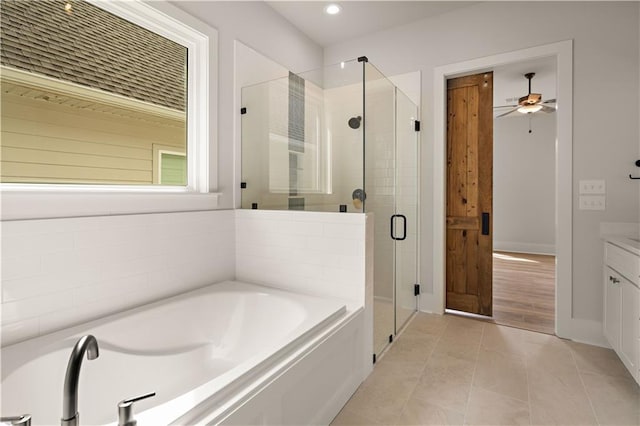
{"x":507,"y":113}
{"x":505,"y":106}
{"x":550,"y":101}
{"x":547,"y":108}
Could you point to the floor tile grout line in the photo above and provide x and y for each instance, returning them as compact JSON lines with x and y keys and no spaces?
{"x":424,"y":366}
{"x":473,"y":376}
{"x":381,"y":358}
{"x":584,"y":387}
{"x":526,"y":372}
{"x":439,"y":336}
{"x":520,"y":358}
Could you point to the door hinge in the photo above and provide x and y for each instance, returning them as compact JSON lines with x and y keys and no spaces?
{"x":416,"y":289}
{"x":243,"y":110}
{"x":391,"y":338}
{"x":374,"y":358}
{"x":416,"y":125}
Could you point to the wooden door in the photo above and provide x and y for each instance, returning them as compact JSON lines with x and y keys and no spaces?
{"x":469,"y":193}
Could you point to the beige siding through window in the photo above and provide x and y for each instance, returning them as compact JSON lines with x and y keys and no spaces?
{"x":51,"y":142}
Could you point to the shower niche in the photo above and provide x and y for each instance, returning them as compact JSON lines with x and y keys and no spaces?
{"x":342,"y":138}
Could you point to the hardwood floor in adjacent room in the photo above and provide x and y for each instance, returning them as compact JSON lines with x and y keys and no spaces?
{"x":524,"y":291}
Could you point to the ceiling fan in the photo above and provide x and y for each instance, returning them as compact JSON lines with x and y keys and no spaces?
{"x":530,"y":103}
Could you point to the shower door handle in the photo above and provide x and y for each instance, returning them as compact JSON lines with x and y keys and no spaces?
{"x":404,"y":227}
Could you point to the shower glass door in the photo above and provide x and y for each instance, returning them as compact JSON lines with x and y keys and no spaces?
{"x":406,"y":207}
{"x":391,"y":182}
{"x":380,"y":172}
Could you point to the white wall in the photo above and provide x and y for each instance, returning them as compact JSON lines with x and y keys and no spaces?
{"x":61,"y":272}
{"x":524,"y":183}
{"x":605,"y":141}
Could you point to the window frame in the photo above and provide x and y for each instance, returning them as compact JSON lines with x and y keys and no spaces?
{"x":28,"y":201}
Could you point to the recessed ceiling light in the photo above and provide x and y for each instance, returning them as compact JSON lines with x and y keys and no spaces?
{"x":332,"y":9}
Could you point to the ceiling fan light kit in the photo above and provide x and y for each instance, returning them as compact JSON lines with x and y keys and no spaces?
{"x":530,"y":103}
{"x":528,"y":109}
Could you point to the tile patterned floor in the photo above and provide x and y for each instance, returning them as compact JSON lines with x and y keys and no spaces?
{"x":448,"y":370}
{"x":384,"y":322}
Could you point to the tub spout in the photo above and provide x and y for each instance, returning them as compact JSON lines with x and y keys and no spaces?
{"x":24,"y":420}
{"x":70,"y":414}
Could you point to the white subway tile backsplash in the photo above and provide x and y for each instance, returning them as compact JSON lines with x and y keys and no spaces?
{"x":60,"y":272}
{"x":66,"y":317}
{"x":133,"y":249}
{"x":30,"y":244}
{"x":350,"y":247}
{"x":25,"y":288}
{"x":91,"y":238}
{"x":113,"y":271}
{"x":19,"y":267}
{"x":64,"y":262}
{"x":18,"y":310}
{"x":15,"y":332}
{"x":308,"y":252}
{"x":109,"y":289}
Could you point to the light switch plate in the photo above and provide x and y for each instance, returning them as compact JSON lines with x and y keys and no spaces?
{"x":592,"y":202}
{"x":592,"y":187}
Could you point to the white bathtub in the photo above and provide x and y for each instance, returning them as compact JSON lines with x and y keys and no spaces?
{"x":204,"y":353}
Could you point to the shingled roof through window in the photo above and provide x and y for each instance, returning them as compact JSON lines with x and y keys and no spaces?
{"x":94,"y":48}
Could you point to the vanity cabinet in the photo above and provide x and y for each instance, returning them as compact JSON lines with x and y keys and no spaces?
{"x":630,"y":328}
{"x":621,"y":319}
{"x":612,"y":302}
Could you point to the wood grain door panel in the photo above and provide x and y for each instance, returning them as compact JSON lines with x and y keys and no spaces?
{"x":469,"y":193}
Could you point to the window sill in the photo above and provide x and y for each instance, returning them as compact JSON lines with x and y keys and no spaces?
{"x":48,"y":204}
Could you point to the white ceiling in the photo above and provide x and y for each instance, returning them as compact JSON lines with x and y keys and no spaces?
{"x":357,"y":18}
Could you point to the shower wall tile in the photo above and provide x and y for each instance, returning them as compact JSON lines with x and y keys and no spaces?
{"x":60,"y":272}
{"x":307,"y":252}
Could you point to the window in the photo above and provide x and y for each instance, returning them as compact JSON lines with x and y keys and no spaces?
{"x":169,"y":166}
{"x":89,"y":89}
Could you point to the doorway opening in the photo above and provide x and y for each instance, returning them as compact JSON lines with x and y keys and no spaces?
{"x":500,"y":195}
{"x":524,"y":226}
{"x":565,"y":325}
{"x":524,"y":291}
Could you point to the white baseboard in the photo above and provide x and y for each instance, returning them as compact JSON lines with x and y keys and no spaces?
{"x":429,"y":304}
{"x":583,"y":331}
{"x":520,"y":247}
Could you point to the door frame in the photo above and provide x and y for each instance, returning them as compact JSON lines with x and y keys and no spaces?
{"x":565,"y":326}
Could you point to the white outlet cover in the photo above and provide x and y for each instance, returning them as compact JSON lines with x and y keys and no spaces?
{"x":593,"y":187}
{"x":592,"y":202}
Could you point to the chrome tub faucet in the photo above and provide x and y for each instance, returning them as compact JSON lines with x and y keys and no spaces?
{"x":24,"y":420}
{"x":87,"y":344}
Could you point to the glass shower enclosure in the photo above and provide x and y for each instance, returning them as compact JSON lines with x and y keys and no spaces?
{"x":341,"y":139}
